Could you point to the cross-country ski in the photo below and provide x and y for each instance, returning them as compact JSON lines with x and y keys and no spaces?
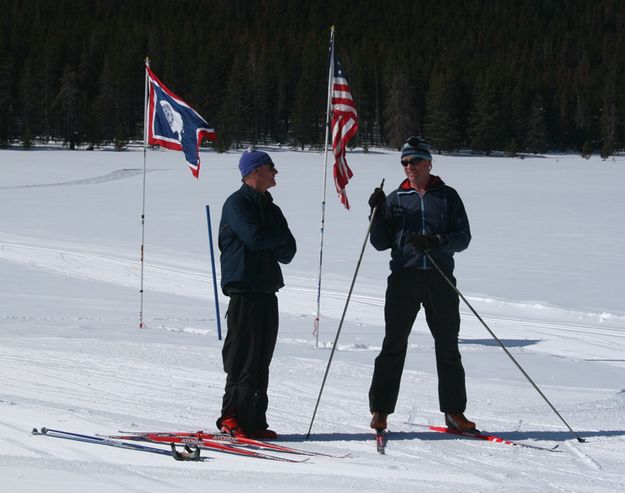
{"x":218,"y":437}
{"x":489,"y":437}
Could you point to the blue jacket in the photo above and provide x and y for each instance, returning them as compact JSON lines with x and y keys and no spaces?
{"x":253,"y":237}
{"x":438,"y":212}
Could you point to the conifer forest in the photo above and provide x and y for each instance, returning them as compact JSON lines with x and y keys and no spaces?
{"x":487,"y":75}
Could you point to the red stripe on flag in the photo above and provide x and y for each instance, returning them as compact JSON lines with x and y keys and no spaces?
{"x":344,"y":126}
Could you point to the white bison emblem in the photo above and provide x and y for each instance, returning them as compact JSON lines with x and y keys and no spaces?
{"x":173,"y":119}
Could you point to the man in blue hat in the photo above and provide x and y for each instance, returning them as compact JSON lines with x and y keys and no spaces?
{"x":422,"y":215}
{"x":254,"y":238}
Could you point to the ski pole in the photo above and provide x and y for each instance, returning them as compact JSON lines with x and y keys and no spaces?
{"x":349,"y":295}
{"x":579,"y":439}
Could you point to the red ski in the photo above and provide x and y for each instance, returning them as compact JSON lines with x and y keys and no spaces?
{"x":478,"y":435}
{"x":223,"y":438}
{"x":202,"y":443}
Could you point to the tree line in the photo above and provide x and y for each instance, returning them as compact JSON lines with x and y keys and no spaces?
{"x":514,"y":76}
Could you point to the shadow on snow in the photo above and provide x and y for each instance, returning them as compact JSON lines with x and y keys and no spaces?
{"x":554,"y":436}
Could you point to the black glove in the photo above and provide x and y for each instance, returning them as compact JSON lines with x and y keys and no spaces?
{"x":424,"y":243}
{"x":377,"y":199}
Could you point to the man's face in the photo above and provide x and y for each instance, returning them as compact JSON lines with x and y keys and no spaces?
{"x":417,"y":170}
{"x":266,"y":175}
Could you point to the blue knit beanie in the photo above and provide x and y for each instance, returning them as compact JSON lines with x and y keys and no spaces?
{"x":251,"y":159}
{"x":416,"y":147}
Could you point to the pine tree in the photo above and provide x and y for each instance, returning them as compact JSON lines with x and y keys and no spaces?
{"x":68,"y":105}
{"x":608,"y":121}
{"x":104,"y":107}
{"x":537,"y":131}
{"x":564,"y":129}
{"x":27,"y":96}
{"x":517,"y":117}
{"x":306,"y":117}
{"x":260,"y":97}
{"x":231,"y":121}
{"x":400,"y":119}
{"x":582,"y":116}
{"x":586,"y":150}
{"x":485,"y":124}
{"x":88,"y":71}
{"x":6,"y":99}
{"x":442,"y":125}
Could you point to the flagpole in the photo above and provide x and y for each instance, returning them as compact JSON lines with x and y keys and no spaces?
{"x":145,"y":141}
{"x":325,"y":175}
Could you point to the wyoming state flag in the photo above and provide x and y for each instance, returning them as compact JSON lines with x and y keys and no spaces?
{"x":173,"y":124}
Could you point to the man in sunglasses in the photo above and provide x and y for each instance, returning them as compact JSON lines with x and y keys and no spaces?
{"x":423,"y":217}
{"x":254,"y":238}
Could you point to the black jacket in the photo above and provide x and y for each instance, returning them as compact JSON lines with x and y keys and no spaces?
{"x":253,"y":237}
{"x":438,"y":212}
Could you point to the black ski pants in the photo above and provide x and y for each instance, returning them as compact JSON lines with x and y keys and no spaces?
{"x":247,"y":353}
{"x":407,"y":290}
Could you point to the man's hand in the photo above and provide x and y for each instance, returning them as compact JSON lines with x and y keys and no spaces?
{"x":377,"y":199}
{"x":424,"y":243}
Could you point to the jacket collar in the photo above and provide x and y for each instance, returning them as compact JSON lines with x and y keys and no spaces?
{"x":250,"y":192}
{"x":435,"y":182}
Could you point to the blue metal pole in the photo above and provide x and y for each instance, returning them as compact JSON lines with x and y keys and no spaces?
{"x":210,"y":243}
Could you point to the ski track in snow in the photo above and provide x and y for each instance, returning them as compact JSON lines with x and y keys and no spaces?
{"x":112,"y":176}
{"x":159,"y":277}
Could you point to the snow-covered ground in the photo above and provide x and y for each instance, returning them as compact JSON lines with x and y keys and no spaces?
{"x":545,"y":270}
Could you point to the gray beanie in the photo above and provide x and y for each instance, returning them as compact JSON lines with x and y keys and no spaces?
{"x":416,"y":147}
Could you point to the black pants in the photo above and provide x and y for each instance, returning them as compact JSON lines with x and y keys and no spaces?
{"x":407,"y":290}
{"x":247,"y":353}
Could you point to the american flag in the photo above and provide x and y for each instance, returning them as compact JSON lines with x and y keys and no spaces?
{"x":344,"y":126}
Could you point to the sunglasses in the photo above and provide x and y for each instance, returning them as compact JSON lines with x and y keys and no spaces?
{"x":414,"y":160}
{"x":269,"y":165}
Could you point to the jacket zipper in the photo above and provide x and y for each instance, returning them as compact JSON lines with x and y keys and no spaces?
{"x":425,"y":262}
